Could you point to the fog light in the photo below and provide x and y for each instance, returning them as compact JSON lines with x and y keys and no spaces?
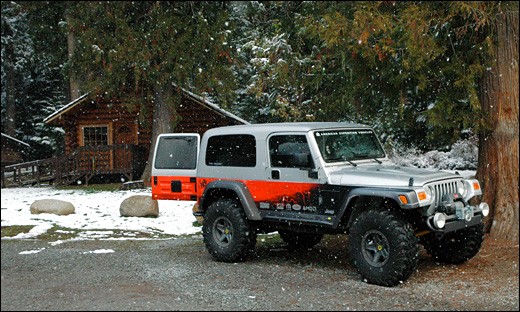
{"x":439,"y":220}
{"x":484,"y":207}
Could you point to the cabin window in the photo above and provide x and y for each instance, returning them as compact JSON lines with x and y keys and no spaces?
{"x":95,"y":135}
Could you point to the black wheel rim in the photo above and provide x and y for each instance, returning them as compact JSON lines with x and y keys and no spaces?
{"x":375,"y":248}
{"x":223,"y":231}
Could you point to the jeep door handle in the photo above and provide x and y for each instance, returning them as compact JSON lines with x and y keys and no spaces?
{"x":275,"y":174}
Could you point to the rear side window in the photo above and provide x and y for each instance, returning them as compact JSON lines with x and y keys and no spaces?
{"x":178,"y":152}
{"x":231,"y":151}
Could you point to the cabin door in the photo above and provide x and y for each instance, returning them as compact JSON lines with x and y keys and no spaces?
{"x":124,"y":139}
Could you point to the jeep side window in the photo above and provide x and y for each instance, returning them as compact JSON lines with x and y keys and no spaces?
{"x":290,"y":151}
{"x":231,"y":151}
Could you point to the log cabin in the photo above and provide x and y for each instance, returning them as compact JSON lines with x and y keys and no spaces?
{"x":12,"y":150}
{"x":112,"y":138}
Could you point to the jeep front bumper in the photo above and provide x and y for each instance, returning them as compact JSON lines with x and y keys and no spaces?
{"x":453,"y":223}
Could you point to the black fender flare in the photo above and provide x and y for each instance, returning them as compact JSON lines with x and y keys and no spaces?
{"x":381,"y":193}
{"x":242,"y":193}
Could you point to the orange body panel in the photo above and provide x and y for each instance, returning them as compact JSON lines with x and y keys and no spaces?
{"x":274,"y":192}
{"x":176,"y":188}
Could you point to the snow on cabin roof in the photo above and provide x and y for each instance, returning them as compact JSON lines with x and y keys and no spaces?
{"x":64,"y":109}
{"x":13,"y":139}
{"x":213,"y":106}
{"x":195,"y":97}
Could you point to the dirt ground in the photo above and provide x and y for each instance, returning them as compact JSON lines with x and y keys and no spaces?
{"x":179,"y":274}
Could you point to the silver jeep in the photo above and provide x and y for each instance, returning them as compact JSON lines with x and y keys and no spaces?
{"x":305,"y":180}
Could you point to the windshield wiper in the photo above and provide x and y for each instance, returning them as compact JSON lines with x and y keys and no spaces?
{"x":352,"y":163}
{"x":366,"y":156}
{"x":342,"y":159}
{"x":378,"y":161}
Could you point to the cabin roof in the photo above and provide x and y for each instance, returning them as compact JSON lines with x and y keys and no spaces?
{"x":198,"y":99}
{"x":8,"y":137}
{"x":65,"y":109}
{"x":213,"y":106}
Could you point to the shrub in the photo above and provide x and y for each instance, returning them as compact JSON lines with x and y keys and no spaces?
{"x":463,"y":155}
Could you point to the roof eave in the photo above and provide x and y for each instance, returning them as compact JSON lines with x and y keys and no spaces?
{"x":52,"y":117}
{"x":212,"y":106}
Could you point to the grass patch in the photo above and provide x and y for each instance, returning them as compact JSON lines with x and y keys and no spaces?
{"x":92,"y":188}
{"x":10,"y":231}
{"x":63,"y":233}
{"x":58,"y":233}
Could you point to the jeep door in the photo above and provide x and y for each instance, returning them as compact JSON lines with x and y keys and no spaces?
{"x":291,"y":171}
{"x":174,"y":167}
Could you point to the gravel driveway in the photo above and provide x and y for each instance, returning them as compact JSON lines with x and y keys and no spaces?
{"x":179,"y":274}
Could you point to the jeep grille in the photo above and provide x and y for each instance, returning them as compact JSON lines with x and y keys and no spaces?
{"x":442,"y":188}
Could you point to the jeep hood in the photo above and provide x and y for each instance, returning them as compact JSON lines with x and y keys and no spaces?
{"x":386,"y":176}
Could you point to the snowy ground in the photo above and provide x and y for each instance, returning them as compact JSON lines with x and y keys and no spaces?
{"x":97,"y":213}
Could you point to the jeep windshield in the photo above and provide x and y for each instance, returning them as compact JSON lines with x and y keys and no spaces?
{"x":348,"y":145}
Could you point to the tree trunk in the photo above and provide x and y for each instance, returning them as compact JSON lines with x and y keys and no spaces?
{"x":498,"y":147}
{"x":71,"y":47}
{"x":10,"y":76}
{"x":163,"y":122}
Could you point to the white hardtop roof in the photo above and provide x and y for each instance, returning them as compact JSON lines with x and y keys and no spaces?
{"x":285,"y":127}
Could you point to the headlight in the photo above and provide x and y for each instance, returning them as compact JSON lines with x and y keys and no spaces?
{"x":430,"y":192}
{"x":472,"y":189}
{"x":424,"y":194}
{"x":462,"y":189}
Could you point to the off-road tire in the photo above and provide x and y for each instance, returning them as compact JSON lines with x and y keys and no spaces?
{"x":455,"y":247}
{"x":226,"y":231}
{"x":299,"y":240}
{"x":383,"y":247}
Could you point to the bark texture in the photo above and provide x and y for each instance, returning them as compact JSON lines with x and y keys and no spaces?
{"x":498,"y":147}
{"x":163,"y":122}
{"x":71,"y":47}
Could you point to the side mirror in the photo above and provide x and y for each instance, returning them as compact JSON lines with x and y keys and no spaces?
{"x":301,"y":160}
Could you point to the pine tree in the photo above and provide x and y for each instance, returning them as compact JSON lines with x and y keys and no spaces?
{"x":146,"y":47}
{"x":17,"y":52}
{"x":31,"y":76}
{"x":273,"y":65}
{"x":410,"y":69}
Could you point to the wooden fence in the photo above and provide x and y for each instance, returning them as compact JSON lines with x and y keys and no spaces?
{"x":83,"y":164}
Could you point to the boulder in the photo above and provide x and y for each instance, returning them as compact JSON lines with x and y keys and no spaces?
{"x":139,"y":206}
{"x":54,"y":206}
